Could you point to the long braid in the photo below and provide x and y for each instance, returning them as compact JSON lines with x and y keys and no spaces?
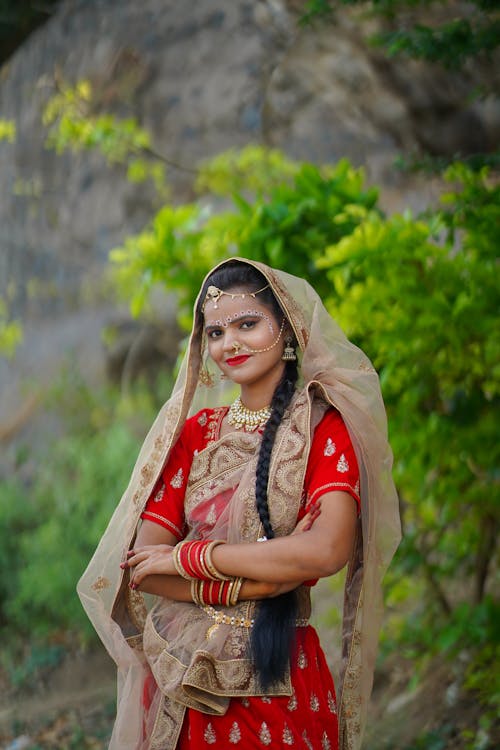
{"x":274,"y":629}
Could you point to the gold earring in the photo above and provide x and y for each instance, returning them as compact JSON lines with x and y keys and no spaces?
{"x":289,"y":352}
{"x":205,"y":376}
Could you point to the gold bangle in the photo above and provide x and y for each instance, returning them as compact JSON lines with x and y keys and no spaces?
{"x":194,"y":592}
{"x":177,"y":562}
{"x":209,"y":564}
{"x":234,"y":591}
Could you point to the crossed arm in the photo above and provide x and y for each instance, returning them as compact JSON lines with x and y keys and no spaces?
{"x":320,"y":545}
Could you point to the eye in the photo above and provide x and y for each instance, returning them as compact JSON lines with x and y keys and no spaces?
{"x":214,"y":333}
{"x":247,"y":324}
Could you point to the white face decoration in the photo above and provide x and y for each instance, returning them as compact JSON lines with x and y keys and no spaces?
{"x":251,"y":313}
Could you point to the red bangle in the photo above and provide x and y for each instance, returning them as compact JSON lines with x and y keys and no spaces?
{"x":193,"y":559}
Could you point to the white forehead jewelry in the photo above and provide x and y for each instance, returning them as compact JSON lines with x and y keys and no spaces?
{"x":241,"y":314}
{"x":214,"y":294}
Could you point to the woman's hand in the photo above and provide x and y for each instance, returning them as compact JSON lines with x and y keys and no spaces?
{"x":313,"y":510}
{"x":149,"y":560}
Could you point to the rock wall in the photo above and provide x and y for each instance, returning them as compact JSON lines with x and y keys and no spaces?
{"x":202,"y":77}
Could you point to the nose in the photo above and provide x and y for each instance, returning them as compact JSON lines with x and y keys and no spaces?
{"x":231,"y":343}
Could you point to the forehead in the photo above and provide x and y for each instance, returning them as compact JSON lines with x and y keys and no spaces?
{"x":229,"y":307}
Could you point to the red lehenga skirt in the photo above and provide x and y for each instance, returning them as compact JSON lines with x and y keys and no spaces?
{"x":307,"y":719}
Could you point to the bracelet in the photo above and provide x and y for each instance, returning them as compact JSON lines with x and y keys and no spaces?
{"x":225,"y":593}
{"x":177,"y":561}
{"x":211,"y":569}
{"x":193,"y":559}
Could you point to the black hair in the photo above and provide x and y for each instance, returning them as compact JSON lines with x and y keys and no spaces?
{"x":273,"y":633}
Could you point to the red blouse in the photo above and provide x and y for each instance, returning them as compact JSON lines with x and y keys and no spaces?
{"x":332,"y":466}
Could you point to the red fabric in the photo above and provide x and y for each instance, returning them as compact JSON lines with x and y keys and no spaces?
{"x":332,"y":463}
{"x":306,"y":720}
{"x":332,"y":466}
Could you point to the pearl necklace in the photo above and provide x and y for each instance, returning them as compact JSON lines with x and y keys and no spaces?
{"x":239,"y":416}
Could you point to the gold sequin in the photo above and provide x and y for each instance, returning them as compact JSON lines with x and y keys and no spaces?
{"x":202,"y":419}
{"x":234,"y":734}
{"x":212,"y":516}
{"x":178,"y":479}
{"x":302,"y":659}
{"x":330,"y":448}
{"x":325,"y":742}
{"x":342,"y":464}
{"x":287,"y":736}
{"x":314,"y":702}
{"x":209,"y":735}
{"x":332,"y":705}
{"x":292,"y":703}
{"x":160,"y":494}
{"x":265,"y":734}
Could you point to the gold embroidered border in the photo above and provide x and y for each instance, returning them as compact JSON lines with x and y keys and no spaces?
{"x":165,"y":522}
{"x":332,"y":485}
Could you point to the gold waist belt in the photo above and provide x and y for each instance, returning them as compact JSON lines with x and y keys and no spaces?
{"x":240,"y":622}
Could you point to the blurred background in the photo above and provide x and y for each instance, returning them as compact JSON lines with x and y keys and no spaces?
{"x":352,"y":142}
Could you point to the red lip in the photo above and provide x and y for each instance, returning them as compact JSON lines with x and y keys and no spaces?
{"x":233,"y":361}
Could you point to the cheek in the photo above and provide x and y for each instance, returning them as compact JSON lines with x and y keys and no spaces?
{"x":213,"y":346}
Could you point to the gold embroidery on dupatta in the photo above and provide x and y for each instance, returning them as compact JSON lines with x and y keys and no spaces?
{"x":136,"y":607}
{"x":101,"y":583}
{"x":167,"y":725}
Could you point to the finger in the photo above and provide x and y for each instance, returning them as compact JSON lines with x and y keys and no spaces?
{"x":145,"y":548}
{"x":136,"y":559}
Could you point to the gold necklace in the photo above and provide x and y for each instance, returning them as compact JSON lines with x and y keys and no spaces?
{"x":240,"y":417}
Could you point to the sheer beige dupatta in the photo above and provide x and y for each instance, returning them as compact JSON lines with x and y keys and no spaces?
{"x":332,"y":369}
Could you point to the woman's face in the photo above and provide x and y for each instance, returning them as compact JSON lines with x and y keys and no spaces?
{"x":245,"y":340}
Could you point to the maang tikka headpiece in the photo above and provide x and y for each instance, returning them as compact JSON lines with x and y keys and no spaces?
{"x":214,"y":294}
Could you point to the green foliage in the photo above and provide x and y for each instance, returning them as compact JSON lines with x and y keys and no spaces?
{"x":11,"y":332}
{"x":451,"y":43}
{"x":7,"y":131}
{"x":75,"y":126}
{"x":289,"y":226}
{"x":51,"y":523}
{"x":250,"y":170}
{"x":421,"y":296}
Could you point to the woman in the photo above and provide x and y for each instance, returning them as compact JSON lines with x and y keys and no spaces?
{"x":231,"y":515}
